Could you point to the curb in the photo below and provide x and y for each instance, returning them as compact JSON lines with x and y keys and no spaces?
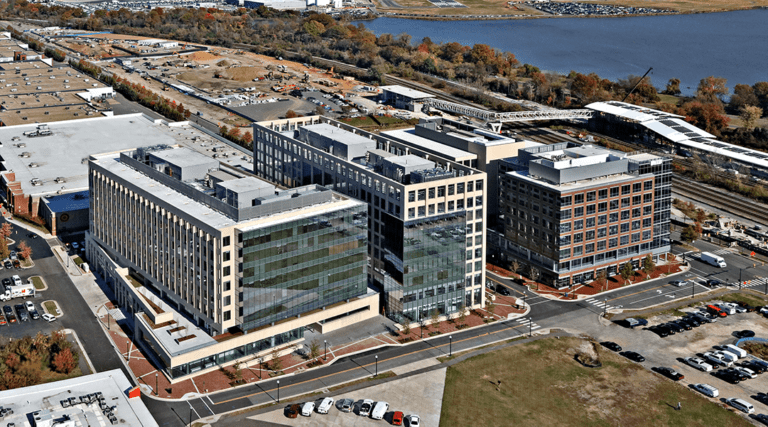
{"x":609,"y":291}
{"x":200,"y":395}
{"x":82,"y":349}
{"x":61,"y":313}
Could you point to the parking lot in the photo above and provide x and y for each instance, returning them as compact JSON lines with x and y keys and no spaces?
{"x":421,"y":394}
{"x":671,"y":351}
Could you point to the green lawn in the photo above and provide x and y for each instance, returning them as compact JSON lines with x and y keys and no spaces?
{"x":50,"y":307}
{"x":542,"y":385}
{"x":38,"y":282}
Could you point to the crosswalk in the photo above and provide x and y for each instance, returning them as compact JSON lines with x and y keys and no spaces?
{"x":760,"y":281}
{"x":697,"y":255}
{"x":526,"y":322}
{"x":599,"y":304}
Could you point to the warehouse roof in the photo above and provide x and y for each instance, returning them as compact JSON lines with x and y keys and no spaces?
{"x":407,"y":92}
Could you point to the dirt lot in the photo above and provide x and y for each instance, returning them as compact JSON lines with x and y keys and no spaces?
{"x":619,"y":392}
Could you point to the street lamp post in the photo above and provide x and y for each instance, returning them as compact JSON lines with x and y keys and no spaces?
{"x":278,"y":391}
{"x":377,"y":365}
{"x":157,"y":390}
{"x":325,"y":343}
{"x":450,"y":345}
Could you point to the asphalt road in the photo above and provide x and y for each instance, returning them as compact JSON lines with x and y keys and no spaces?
{"x":545,"y":313}
{"x":77,"y":315}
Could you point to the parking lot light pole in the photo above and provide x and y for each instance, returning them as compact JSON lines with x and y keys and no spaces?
{"x":157,"y":391}
{"x":450,"y":345}
{"x":377,"y":365}
{"x":278,"y":391}
{"x":325,"y":343}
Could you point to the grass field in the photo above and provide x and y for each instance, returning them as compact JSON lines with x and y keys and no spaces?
{"x":50,"y":307}
{"x":542,"y":385}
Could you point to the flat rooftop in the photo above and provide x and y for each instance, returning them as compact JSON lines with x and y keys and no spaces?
{"x":47,"y":398}
{"x":407,"y":92}
{"x":442,"y":150}
{"x":574,"y":185}
{"x":48,"y":114}
{"x":342,"y":136}
{"x":63,"y":154}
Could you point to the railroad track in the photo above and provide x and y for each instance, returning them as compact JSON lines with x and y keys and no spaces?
{"x":725,"y":201}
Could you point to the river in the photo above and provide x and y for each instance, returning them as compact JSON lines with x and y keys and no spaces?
{"x":688,"y":47}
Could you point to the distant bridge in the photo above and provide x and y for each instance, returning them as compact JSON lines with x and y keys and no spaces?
{"x":495,"y":119}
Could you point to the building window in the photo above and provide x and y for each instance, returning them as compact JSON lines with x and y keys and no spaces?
{"x":578,"y":238}
{"x":577,"y":250}
{"x":612,"y":243}
{"x":589,"y":235}
{"x":625,"y":202}
{"x":614,"y":204}
{"x":626,"y":189}
{"x":636,"y":200}
{"x":578,"y":211}
{"x":227,"y":301}
{"x":590,"y":209}
{"x":226,"y":256}
{"x":601,"y":245}
{"x":225,"y":241}
{"x":602,"y":207}
{"x":602,"y":220}
{"x":441,"y":191}
{"x":614,"y":191}
{"x":422,"y":194}
{"x":565,"y":227}
{"x":601,"y":232}
{"x":479,"y":185}
{"x":227,"y":285}
{"x":565,"y":253}
{"x":565,"y":201}
{"x":637,"y":187}
{"x":578,"y":224}
{"x":603,"y":194}
{"x":227,"y":271}
{"x":432,"y":193}
{"x":614,"y":217}
{"x":590,"y":222}
{"x":635,"y":237}
{"x":625,"y":227}
{"x":636,"y":212}
{"x":227,"y":315}
{"x":613,"y":230}
{"x":451,"y":190}
{"x":624,"y":240}
{"x":411,"y":213}
{"x":648,"y":185}
{"x":636,"y":225}
{"x":647,"y":198}
{"x":578,"y":199}
{"x":625,"y":215}
{"x":589,"y":248}
{"x":411,"y":196}
{"x":450,"y":206}
{"x":470,"y":186}
{"x":460,"y":188}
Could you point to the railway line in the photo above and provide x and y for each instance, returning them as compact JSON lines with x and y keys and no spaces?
{"x":728,"y":202}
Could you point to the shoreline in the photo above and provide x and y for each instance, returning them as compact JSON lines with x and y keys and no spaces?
{"x":412,"y":16}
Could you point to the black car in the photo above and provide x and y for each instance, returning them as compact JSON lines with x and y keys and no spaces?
{"x":749,"y":308}
{"x":6,"y":282}
{"x":674,"y":327}
{"x":8,"y":265}
{"x":715,"y":282}
{"x":661,"y":331}
{"x":742,"y":376}
{"x":744,"y":334}
{"x":754,"y":366}
{"x":502,"y":290}
{"x":22,"y":312}
{"x":762,"y":418}
{"x":728,"y":376}
{"x":32,"y":235}
{"x":9,"y":314}
{"x":692,"y":321}
{"x":611,"y":346}
{"x":670,"y":373}
{"x":683,"y":324}
{"x":634,"y":356}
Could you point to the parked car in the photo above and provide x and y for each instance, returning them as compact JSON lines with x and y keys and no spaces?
{"x":7,"y":281}
{"x":670,"y":373}
{"x":293,"y":411}
{"x":705,"y":318}
{"x":741,"y":405}
{"x":325,"y":405}
{"x":749,"y":308}
{"x":379,"y":410}
{"x":502,"y":290}
{"x":683,"y":324}
{"x":762,"y":418}
{"x":631,"y":322}
{"x":22,"y":312}
{"x":365,"y":407}
{"x":754,"y":366}
{"x":397,"y":418}
{"x":744,"y":334}
{"x":715,"y":282}
{"x":706,"y":390}
{"x":698,"y":363}
{"x":413,"y":420}
{"x":716,"y":359}
{"x":662,"y":331}
{"x":678,"y":283}
{"x":730,"y":377}
{"x":307,"y":409}
{"x":675,"y":327}
{"x":611,"y":346}
{"x":634,"y":356}
{"x":732,"y":371}
{"x":3,"y":322}
{"x":9,"y":314}
{"x":346,"y":405}
{"x":48,"y":317}
{"x":746,"y":371}
{"x":692,"y":320}
{"x":8,"y":265}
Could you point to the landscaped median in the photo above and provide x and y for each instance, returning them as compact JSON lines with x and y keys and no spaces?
{"x":51,"y":307}
{"x":39,"y":283}
{"x":503,"y":387}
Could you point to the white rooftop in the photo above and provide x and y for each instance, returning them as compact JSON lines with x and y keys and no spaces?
{"x":629,"y":111}
{"x":408,"y":92}
{"x":47,"y":398}
{"x":62,"y":154}
{"x":450,"y":153}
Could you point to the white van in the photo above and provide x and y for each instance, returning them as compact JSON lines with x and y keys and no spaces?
{"x":730,"y":348}
{"x":728,"y":357}
{"x":379,"y":410}
{"x":706,"y":390}
{"x":741,"y":405}
{"x":726,"y":308}
{"x":16,"y":280}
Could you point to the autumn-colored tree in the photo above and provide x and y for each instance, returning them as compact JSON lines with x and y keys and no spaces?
{"x":602,"y":279}
{"x":584,"y":86}
{"x":673,"y":87}
{"x":648,"y":264}
{"x":4,"y":251}
{"x":708,"y":116}
{"x":6,"y":230}
{"x":64,"y":362}
{"x":743,"y":95}
{"x":406,"y":326}
{"x":689,"y":234}
{"x":749,"y":115}
{"x":462,"y":314}
{"x":626,"y":270}
{"x":247,"y":138}
{"x":24,"y":250}
{"x":290,"y":114}
{"x":711,"y":88}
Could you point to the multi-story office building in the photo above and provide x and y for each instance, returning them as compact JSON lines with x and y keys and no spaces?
{"x":473,"y":146}
{"x":572,"y":211}
{"x":426,"y":214}
{"x":216,"y":264}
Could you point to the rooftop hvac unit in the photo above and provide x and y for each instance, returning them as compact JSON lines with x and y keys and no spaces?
{"x":36,"y":182}
{"x":60,"y":179}
{"x":34,"y":165}
{"x":25,"y":154}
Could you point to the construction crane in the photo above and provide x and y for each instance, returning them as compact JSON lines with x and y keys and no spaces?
{"x":636,"y":84}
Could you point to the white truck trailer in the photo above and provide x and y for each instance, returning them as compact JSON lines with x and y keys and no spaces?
{"x":713,"y":259}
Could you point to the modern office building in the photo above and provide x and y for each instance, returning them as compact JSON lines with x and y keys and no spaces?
{"x":426,"y":214}
{"x":214,"y":265}
{"x":572,"y":211}
{"x":470,"y":145}
{"x":404,"y":98}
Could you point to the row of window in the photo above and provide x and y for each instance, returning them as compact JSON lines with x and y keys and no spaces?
{"x":442,"y":190}
{"x":591,"y":196}
{"x":604,"y":244}
{"x":440,"y":208}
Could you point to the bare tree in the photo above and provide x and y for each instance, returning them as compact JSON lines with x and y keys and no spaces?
{"x":514,"y":266}
{"x":435,"y":317}
{"x":602,"y":279}
{"x":534,"y":274}
{"x":314,"y":349}
{"x":749,"y":116}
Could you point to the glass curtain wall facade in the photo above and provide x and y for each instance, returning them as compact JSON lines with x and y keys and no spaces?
{"x":298,"y":266}
{"x":425,"y":262}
